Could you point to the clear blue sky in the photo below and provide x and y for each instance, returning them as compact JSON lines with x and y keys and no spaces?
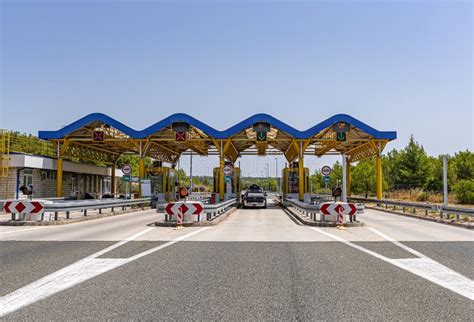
{"x":404,"y":66}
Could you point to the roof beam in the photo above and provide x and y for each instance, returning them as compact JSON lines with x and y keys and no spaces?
{"x":328,"y":146}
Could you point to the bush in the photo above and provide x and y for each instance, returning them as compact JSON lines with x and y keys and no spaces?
{"x":465,"y":191}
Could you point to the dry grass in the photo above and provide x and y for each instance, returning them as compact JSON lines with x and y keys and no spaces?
{"x":419,"y":195}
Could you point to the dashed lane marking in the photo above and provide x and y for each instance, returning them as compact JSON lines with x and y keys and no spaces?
{"x":422,"y":266}
{"x":76,"y":273}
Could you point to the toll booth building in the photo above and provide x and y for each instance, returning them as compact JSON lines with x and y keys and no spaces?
{"x":20,"y":168}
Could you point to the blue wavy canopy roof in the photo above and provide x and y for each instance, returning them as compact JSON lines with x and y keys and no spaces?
{"x":212,"y":132}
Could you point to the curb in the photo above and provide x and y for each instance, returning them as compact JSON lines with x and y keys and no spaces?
{"x":437,"y":220}
{"x":68,"y":221}
{"x":216,"y":221}
{"x":306,"y":222}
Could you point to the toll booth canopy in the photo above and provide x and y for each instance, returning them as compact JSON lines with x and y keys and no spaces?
{"x":102,"y":139}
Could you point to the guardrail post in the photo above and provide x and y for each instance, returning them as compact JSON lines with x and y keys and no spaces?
{"x":67,"y":214}
{"x":55,"y":215}
{"x":85,"y":212}
{"x":100,"y":211}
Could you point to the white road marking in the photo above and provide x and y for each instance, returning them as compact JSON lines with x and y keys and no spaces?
{"x":76,"y":273}
{"x":396,"y":242}
{"x":126,"y":240}
{"x":423,"y":266}
{"x":20,"y":230}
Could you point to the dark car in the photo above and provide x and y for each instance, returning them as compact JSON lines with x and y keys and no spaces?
{"x":255,"y":197}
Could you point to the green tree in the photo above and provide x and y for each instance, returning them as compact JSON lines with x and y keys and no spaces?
{"x":132,"y":159}
{"x":465,"y":191}
{"x":390,"y":168}
{"x":463,"y":163}
{"x":435,"y":180}
{"x":336,"y":175}
{"x":363,"y":177}
{"x":413,"y":166}
{"x":183,"y":178}
{"x":317,"y":182}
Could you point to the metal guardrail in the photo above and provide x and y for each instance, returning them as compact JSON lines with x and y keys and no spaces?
{"x":304,"y":208}
{"x":85,"y":205}
{"x":312,"y":210}
{"x":204,"y":198}
{"x":214,"y":210}
{"x":444,"y":211}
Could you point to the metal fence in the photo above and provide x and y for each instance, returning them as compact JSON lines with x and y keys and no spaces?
{"x":311,"y":210}
{"x":214,"y":210}
{"x":409,"y":206}
{"x":65,"y":206}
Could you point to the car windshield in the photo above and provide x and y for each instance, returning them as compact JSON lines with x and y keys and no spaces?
{"x":255,"y":189}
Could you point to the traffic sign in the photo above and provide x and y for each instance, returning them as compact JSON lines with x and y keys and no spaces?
{"x":180,"y":127}
{"x":326,"y":170}
{"x":98,"y":136}
{"x":334,"y":208}
{"x":326,"y":179}
{"x":180,"y":136}
{"x":261,"y":127}
{"x":341,"y":136}
{"x":185,"y":208}
{"x":341,"y":127}
{"x":183,"y":192}
{"x":228,"y":170}
{"x":126,"y":169}
{"x":261,"y":136}
{"x":126,"y":178}
{"x":23,"y":207}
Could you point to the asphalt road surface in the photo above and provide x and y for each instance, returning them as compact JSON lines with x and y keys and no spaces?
{"x":255,"y":265}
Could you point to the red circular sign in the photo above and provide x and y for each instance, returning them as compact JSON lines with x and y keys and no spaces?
{"x":126,"y":169}
{"x":326,"y":170}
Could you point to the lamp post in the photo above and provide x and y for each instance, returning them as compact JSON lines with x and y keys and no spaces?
{"x":276,"y":173}
{"x":268,"y":177}
{"x":191,"y":172}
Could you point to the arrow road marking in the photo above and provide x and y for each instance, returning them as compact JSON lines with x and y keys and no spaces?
{"x":76,"y":273}
{"x":422,"y":266}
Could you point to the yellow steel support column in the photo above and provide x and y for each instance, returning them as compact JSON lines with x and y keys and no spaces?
{"x":141,"y":175}
{"x":301,"y":181}
{"x":348,"y":178}
{"x":221,"y":179}
{"x":59,"y":178}
{"x":379,"y":176}
{"x":112,"y":181}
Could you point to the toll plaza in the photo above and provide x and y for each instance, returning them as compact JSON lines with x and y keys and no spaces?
{"x":100,"y":138}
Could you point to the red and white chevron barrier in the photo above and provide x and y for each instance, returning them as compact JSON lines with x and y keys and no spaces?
{"x":181,"y":209}
{"x":335,"y":208}
{"x":23,"y":207}
{"x":28,"y":210}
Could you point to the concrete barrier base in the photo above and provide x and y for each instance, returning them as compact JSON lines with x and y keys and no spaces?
{"x":305,"y":221}
{"x":215,"y":221}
